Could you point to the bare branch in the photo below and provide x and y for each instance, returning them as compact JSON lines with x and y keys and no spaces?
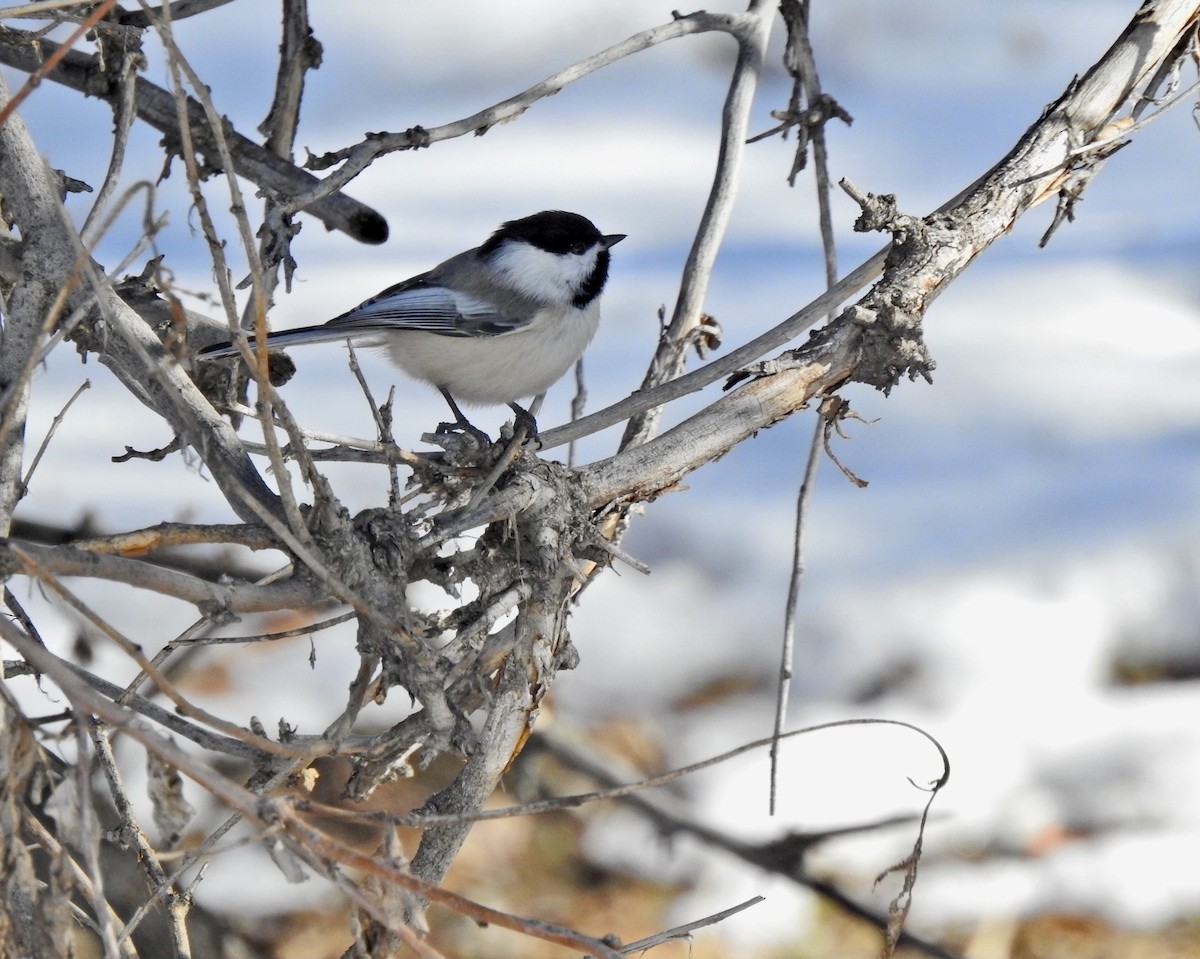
{"x":726,"y":366}
{"x":783,"y":857}
{"x":124,"y":113}
{"x":878,"y":340}
{"x":132,"y":836}
{"x":788,"y":646}
{"x":510,"y":538}
{"x":685,"y":931}
{"x":676,"y":339}
{"x":47,"y":931}
{"x":27,"y":193}
{"x":155,"y":106}
{"x":212,"y":599}
{"x":528,"y":671}
{"x":7,"y":109}
{"x":314,"y":847}
{"x":178,"y":10}
{"x":357,"y":158}
{"x":299,"y":52}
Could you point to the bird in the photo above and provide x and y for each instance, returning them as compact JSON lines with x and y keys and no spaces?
{"x":490,"y":326}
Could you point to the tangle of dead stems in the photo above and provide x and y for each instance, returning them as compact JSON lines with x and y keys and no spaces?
{"x":520,"y":534}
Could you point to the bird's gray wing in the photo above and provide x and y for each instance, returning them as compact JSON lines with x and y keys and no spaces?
{"x":423,"y":304}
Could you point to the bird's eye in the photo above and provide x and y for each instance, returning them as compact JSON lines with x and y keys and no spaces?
{"x":579,"y":248}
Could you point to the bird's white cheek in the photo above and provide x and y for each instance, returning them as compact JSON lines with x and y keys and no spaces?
{"x":542,"y":276}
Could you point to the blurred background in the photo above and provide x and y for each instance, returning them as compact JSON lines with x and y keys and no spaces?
{"x":1020,"y":576}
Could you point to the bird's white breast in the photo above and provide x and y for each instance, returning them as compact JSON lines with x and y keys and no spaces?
{"x":489,"y":370}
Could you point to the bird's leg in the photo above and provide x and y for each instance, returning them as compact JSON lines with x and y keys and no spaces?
{"x":524,"y":433}
{"x":460,"y":421}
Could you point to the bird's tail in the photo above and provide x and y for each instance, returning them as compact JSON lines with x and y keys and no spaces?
{"x":286,"y":338}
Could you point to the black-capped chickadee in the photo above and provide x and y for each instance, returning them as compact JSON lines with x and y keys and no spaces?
{"x":497,"y":323}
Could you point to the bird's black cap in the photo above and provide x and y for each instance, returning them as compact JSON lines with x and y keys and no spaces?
{"x":555,"y":231}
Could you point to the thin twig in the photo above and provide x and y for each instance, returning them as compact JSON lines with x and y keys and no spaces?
{"x":71,"y":871}
{"x":315,"y":843}
{"x":298,"y":53}
{"x":54,"y":425}
{"x":179,"y":68}
{"x":356,"y":158}
{"x":383,"y":422}
{"x":134,"y":652}
{"x":313,"y":846}
{"x":621,"y":791}
{"x":204,"y":738}
{"x":98,"y":14}
{"x":187,"y":643}
{"x":124,"y":113}
{"x":765,"y":856}
{"x":676,"y":338}
{"x":788,"y":646}
{"x":88,"y":830}
{"x":730,"y":363}
{"x":213,"y":597}
{"x":801,"y":63}
{"x":578,"y":404}
{"x":685,"y":931}
{"x":155,"y":106}
{"x":131,"y":834}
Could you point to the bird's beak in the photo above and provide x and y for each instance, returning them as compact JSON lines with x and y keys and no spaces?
{"x":612,"y":239}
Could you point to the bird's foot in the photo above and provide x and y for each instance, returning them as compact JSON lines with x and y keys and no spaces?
{"x":464,"y":426}
{"x":524,"y":426}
